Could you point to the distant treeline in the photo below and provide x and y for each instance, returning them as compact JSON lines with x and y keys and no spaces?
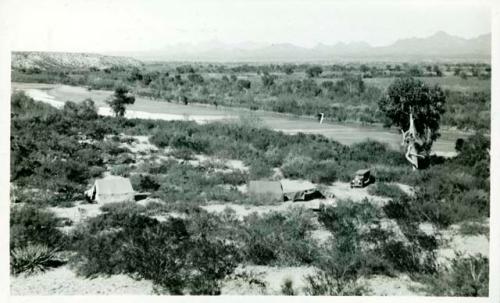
{"x":343,"y":92}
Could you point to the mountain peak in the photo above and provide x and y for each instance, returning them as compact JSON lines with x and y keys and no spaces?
{"x":440,"y":34}
{"x":437,"y":46}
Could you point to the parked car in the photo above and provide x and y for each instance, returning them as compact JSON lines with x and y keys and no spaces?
{"x":362,"y":178}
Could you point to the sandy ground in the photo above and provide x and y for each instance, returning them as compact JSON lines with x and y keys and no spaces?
{"x":245,"y":210}
{"x":63,"y":281}
{"x":141,"y":145}
{"x":156,"y":109}
{"x":274,"y":277}
{"x":468,"y":245}
{"x":225,"y":165}
{"x":343,"y":191}
{"x":407,"y":189}
{"x":77,"y":213}
{"x":401,"y":285}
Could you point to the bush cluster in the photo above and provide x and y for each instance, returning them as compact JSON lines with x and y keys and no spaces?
{"x":164,"y":252}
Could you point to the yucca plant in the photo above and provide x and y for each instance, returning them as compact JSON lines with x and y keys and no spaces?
{"x":31,"y":259}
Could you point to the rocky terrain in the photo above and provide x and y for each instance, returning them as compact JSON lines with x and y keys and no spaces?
{"x":60,"y":60}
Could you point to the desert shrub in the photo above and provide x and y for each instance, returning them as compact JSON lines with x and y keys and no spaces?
{"x":125,"y":159}
{"x":341,"y":261}
{"x":51,"y":149}
{"x":121,"y":170}
{"x":356,"y":225}
{"x":406,"y":257}
{"x":287,"y":288}
{"x":212,"y":261}
{"x":465,"y":277}
{"x":236,"y":177}
{"x":324,"y":171}
{"x":279,"y":238}
{"x":159,"y":254}
{"x":144,"y":183}
{"x":403,"y":210}
{"x":474,"y":154}
{"x":449,"y":194}
{"x":122,"y":208}
{"x":274,"y":156}
{"x":167,"y":253}
{"x":390,"y":173}
{"x":347,"y":217}
{"x":182,"y":153}
{"x":32,"y":258}
{"x":386,"y":190}
{"x":326,"y":284}
{"x":474,"y":228}
{"x":296,"y":166}
{"x":99,"y":242}
{"x":160,"y":139}
{"x":33,"y":225}
{"x":222,"y":193}
{"x":194,"y":143}
{"x":376,"y":152}
{"x":96,"y":171}
{"x":260,"y":169}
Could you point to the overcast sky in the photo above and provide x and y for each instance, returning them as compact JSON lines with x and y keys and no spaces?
{"x":130,"y":25}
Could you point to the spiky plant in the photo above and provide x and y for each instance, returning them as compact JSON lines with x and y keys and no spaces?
{"x":31,"y":259}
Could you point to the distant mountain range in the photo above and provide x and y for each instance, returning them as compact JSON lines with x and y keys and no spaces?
{"x":440,"y":46}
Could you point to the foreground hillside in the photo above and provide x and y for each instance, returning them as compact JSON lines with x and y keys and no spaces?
{"x":200,"y":232}
{"x":41,"y":61}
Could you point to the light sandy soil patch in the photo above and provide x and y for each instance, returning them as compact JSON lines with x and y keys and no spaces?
{"x":343,"y":191}
{"x":446,"y":154}
{"x":43,"y":96}
{"x":245,"y":210}
{"x":63,"y":281}
{"x":407,"y":189}
{"x":224,"y":165}
{"x":468,"y":245}
{"x":321,"y":235}
{"x":165,"y":216}
{"x":236,"y":165}
{"x":401,"y":285}
{"x":77,"y":213}
{"x":141,"y":144}
{"x":273,"y":277}
{"x":149,"y":200}
{"x":242,"y":188}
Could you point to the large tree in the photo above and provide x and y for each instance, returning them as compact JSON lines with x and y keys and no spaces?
{"x":120,"y":99}
{"x":416,"y":109}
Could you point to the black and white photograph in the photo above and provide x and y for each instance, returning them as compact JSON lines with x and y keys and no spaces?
{"x":249,"y":148}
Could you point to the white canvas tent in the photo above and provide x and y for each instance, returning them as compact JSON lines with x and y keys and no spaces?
{"x":111,"y":189}
{"x":269,"y":189}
